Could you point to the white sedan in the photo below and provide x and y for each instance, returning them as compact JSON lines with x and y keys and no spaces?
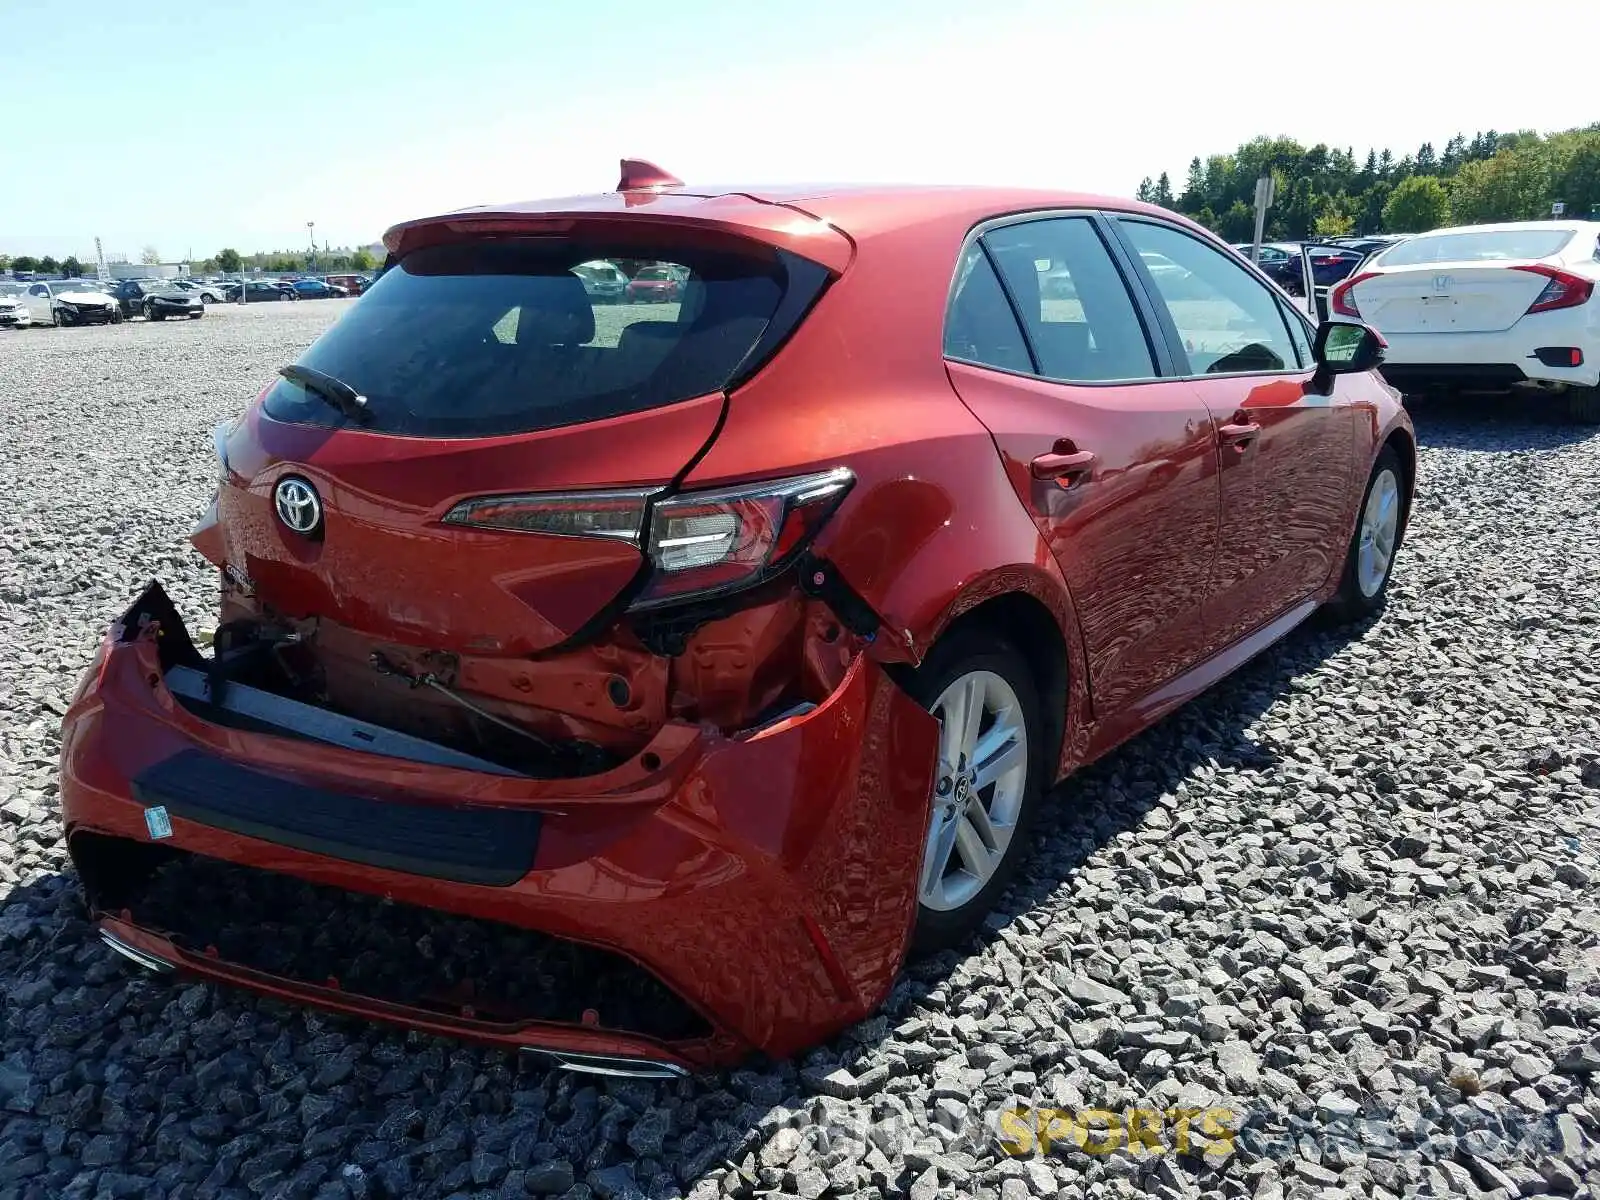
{"x":1503,"y":308}
{"x":71,"y":302}
{"x":14,"y":310}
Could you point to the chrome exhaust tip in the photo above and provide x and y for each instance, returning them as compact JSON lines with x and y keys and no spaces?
{"x":135,"y":955}
{"x":616,"y":1065}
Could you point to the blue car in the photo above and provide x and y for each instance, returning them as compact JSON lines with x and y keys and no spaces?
{"x":318,"y":289}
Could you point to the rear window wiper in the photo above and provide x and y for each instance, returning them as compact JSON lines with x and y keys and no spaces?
{"x":335,"y":391}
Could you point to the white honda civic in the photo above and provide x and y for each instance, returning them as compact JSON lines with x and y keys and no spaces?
{"x":1502,"y":308}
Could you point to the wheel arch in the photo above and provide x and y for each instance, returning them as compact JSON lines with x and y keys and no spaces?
{"x":1404,"y":444}
{"x":1022,"y":620}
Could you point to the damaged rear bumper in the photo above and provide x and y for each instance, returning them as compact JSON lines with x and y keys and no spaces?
{"x":765,"y":881}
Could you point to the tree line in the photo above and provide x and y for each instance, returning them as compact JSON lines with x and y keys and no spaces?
{"x":1323,"y":192}
{"x":26,"y":263}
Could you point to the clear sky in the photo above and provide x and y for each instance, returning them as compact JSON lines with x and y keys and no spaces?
{"x":193,"y":126}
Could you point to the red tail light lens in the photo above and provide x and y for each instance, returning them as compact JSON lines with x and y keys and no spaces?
{"x":1565,"y":290}
{"x":705,"y":544}
{"x":1342,"y":301}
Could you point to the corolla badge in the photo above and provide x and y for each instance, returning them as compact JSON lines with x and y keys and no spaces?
{"x":298,"y":505}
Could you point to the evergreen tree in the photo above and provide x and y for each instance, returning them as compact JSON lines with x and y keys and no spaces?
{"x":1194,"y":190}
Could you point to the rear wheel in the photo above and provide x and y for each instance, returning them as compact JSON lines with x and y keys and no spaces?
{"x":1369,"y":562}
{"x":1583,"y":405}
{"x":986,"y":784}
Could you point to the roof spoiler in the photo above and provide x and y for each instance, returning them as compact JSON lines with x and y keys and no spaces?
{"x":637,"y":174}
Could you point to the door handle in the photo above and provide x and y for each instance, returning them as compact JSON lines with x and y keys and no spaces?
{"x":1238,"y":434}
{"x":1063,"y":466}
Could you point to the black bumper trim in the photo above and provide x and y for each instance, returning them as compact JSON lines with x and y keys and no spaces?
{"x":1463,"y":376}
{"x":490,"y":846}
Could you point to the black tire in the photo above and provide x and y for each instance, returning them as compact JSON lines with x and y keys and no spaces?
{"x":1583,"y":406}
{"x":1353,"y":602}
{"x":195,"y":316}
{"x":959,"y":653}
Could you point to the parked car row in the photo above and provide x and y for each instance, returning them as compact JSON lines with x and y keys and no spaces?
{"x":57,"y":302}
{"x":94,"y":302}
{"x":607,"y":283}
{"x":309,"y":287}
{"x":1330,"y":262}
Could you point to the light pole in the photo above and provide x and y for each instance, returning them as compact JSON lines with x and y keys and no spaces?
{"x":311,"y":232}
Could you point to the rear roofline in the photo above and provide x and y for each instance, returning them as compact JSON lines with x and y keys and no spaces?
{"x":822,"y":223}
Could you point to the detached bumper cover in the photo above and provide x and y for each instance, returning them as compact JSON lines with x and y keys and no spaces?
{"x":768,"y":879}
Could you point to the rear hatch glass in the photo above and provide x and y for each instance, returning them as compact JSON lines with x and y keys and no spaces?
{"x":487,"y":338}
{"x":1477,"y":246}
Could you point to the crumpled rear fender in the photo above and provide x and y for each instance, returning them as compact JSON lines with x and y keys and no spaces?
{"x":922,"y":550}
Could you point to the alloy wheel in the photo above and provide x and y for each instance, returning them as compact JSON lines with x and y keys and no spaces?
{"x":1380,"y":525}
{"x":978,"y":789}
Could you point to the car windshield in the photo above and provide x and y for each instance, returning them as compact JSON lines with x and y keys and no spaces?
{"x":12,"y":289}
{"x":481,"y":339}
{"x":1477,"y":246}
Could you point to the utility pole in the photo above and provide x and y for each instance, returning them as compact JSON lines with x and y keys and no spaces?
{"x":311,"y":231}
{"x":1264,"y":188}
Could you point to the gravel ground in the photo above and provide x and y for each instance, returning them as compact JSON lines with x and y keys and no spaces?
{"x":1350,"y":896}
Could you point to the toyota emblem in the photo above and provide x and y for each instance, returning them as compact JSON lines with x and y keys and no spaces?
{"x":297,"y":504}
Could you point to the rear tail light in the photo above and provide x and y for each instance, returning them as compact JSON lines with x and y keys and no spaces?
{"x":705,"y":544}
{"x":700,"y":544}
{"x":1341,"y":299}
{"x":1565,"y":290}
{"x":617,"y":514}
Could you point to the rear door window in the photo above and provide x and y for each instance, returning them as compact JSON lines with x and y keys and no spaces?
{"x":980,"y":327}
{"x":487,"y":338}
{"x":1072,"y":300}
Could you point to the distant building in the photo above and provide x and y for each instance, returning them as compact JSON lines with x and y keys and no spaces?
{"x":127,"y":270}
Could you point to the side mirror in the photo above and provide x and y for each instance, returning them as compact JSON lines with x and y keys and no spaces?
{"x":1344,"y":348}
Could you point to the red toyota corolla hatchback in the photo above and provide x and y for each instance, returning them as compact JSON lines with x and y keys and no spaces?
{"x":638,"y":685}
